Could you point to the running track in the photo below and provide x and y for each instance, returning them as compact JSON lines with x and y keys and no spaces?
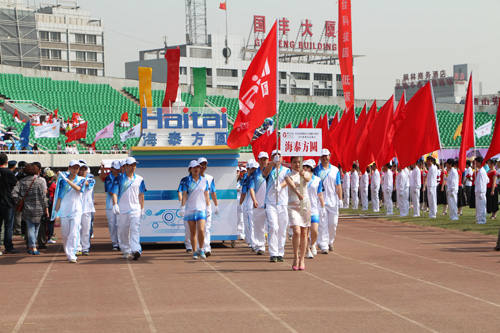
{"x":382,"y":277}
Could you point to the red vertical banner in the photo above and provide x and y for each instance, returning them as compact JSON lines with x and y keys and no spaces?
{"x":173,"y":57}
{"x":345,"y":51}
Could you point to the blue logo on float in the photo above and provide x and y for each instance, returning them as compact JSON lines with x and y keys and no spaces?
{"x":180,"y":121}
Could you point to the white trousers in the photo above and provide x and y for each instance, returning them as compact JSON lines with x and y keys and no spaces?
{"x":403,"y":204}
{"x":70,"y":230}
{"x":208,"y":224}
{"x":480,"y":208}
{"x":432,"y":198}
{"x":259,"y":229}
{"x":187,"y":237}
{"x":84,"y":244}
{"x":452,"y":205}
{"x":415,"y":200}
{"x":364,"y":198}
{"x":240,"y":226}
{"x":277,"y":217}
{"x":388,"y":202}
{"x":327,"y":228}
{"x":128,"y":232}
{"x":355,"y":197}
{"x":375,"y":202}
{"x":113,"y":227}
{"x":249,"y":235}
{"x":346,"y":193}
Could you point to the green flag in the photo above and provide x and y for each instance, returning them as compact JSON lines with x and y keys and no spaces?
{"x":200,"y":87}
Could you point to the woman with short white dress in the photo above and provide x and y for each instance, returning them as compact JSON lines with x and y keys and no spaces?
{"x":299,"y":211}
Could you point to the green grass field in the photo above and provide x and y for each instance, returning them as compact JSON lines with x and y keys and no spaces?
{"x":466,"y":222}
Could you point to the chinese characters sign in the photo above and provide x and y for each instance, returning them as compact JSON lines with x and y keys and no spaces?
{"x":301,"y":142}
{"x":345,"y":51}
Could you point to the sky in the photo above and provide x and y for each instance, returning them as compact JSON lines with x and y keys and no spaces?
{"x":395,"y":37}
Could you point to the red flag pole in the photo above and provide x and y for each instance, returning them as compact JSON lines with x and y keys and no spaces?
{"x":277,"y":102}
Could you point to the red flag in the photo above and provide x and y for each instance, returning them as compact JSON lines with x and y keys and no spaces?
{"x":418,"y":134}
{"x":16,"y":114}
{"x":379,"y":145}
{"x":257,"y":145}
{"x":320,"y":122}
{"x":55,"y":112}
{"x":222,"y":5}
{"x":78,"y":133}
{"x":398,"y":120}
{"x":346,"y":137}
{"x":363,"y":150}
{"x":310,"y":124}
{"x":350,"y":149}
{"x":345,"y":51}
{"x":338,"y":136}
{"x":495,"y":140}
{"x":258,"y":92}
{"x":468,"y":138}
{"x":327,"y":143}
{"x":124,"y":117}
{"x":173,"y":57}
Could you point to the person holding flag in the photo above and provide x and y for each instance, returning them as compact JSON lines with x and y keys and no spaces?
{"x":346,"y":188}
{"x":431,"y":184}
{"x":402,"y":191}
{"x":375,"y":188}
{"x":387,"y":187}
{"x":258,"y":191}
{"x":354,"y":186}
{"x":452,"y":189}
{"x":415,"y":184}
{"x":364,"y":183}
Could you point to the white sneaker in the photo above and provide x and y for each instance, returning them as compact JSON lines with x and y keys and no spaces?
{"x":50,"y":241}
{"x":126,"y":256}
{"x":314,"y":250}
{"x":309,"y":255}
{"x":73,"y":261}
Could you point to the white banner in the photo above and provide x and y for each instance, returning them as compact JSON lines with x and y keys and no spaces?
{"x":301,"y":142}
{"x":106,"y":132}
{"x":484,"y":129}
{"x":48,"y":131}
{"x":134,"y":132}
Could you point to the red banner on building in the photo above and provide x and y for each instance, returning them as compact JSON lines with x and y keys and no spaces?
{"x":345,"y":51}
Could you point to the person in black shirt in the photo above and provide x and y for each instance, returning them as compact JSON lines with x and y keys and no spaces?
{"x":18,"y":215}
{"x":7,"y":208}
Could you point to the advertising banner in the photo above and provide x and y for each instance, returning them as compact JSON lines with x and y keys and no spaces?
{"x":301,"y":142}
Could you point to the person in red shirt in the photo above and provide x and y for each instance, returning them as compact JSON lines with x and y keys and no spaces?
{"x":491,"y":191}
{"x":51,"y":189}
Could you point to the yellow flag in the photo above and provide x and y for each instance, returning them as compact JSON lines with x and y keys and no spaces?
{"x":458,"y":132}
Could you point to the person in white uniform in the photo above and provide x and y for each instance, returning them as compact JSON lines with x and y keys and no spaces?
{"x":240,"y":226}
{"x":452,"y":189}
{"x":128,"y":203}
{"x":258,"y":189}
{"x":363,"y":188}
{"x":212,"y":193}
{"x":415,"y":184}
{"x":387,"y":187}
{"x":276,"y":206}
{"x":330,"y":176}
{"x":108,"y":186}
{"x":346,"y":188}
{"x":247,"y":205}
{"x":87,"y":210}
{"x":431,"y":184}
{"x":480,"y":189}
{"x":68,"y":207}
{"x":354,"y":186}
{"x":402,"y":183}
{"x":318,"y":210}
{"x":375,"y":188}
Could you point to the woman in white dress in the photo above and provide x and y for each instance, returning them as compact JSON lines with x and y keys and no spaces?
{"x":299,"y":211}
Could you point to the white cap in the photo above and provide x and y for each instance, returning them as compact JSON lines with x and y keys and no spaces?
{"x":252,"y":165}
{"x":116,"y":165}
{"x":83,"y":165}
{"x":325,"y":152}
{"x":250,"y":162}
{"x":122,"y":163}
{"x":193,"y":163}
{"x":202,"y":159}
{"x":83,"y":162}
{"x":74,"y":162}
{"x":276,"y":151}
{"x":243,"y":169}
{"x":310,"y":163}
{"x":263,"y":154}
{"x":130,"y":160}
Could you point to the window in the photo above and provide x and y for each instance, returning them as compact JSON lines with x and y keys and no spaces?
{"x":322,"y":77}
{"x":301,"y":76}
{"x":44,"y":36}
{"x":183,"y":70}
{"x":282,"y":75}
{"x":45,"y":53}
{"x":340,"y":93}
{"x":80,"y":56}
{"x":209,"y":71}
{"x":339,"y":79}
{"x":56,"y":69}
{"x":55,"y":36}
{"x":92,"y":39}
{"x":323,"y":92}
{"x":81,"y":71}
{"x":92,"y":71}
{"x":46,"y":68}
{"x":91,"y":56}
{"x":283,"y":91}
{"x":227,"y":72}
{"x":55,"y":54}
{"x":80,"y":38}
{"x":300,"y":91}
{"x":227,"y":87}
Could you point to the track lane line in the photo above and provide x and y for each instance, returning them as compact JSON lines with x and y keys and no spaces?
{"x":151,"y":324}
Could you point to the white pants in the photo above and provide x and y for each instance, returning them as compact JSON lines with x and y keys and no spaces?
{"x":277,"y":217}
{"x":364,"y":198}
{"x":249,"y":234}
{"x":355,"y":198}
{"x":327,"y":228}
{"x":208,"y":224}
{"x":388,"y":202}
{"x":431,"y":197}
{"x":452,"y":205}
{"x":403,"y":204}
{"x":84,"y":244}
{"x":113,"y":227}
{"x":70,"y":230}
{"x":415,"y":200}
{"x":128,"y":232}
{"x":480,"y":208}
{"x":346,"y":193}
{"x":259,"y":229}
{"x":240,"y":226}
{"x":187,"y":237}
{"x":375,"y":202}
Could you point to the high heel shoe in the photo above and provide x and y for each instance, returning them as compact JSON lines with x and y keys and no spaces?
{"x":302,"y":268}
{"x":295,"y":268}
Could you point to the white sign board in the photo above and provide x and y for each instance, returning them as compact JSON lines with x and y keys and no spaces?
{"x":301,"y":142}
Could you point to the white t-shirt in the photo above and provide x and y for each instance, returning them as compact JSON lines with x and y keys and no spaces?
{"x":364,"y":182}
{"x":468,"y":172}
{"x":271,"y":191}
{"x":71,"y":199}
{"x":128,"y":191}
{"x":432,"y":176}
{"x":196,"y":192}
{"x":387,"y":186}
{"x":375,"y":180}
{"x":258,"y":183}
{"x":211,"y":186}
{"x":346,"y":181}
{"x":415,"y":178}
{"x":330,"y":178}
{"x":88,"y":196}
{"x":354,"y":180}
{"x":314,"y":186}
